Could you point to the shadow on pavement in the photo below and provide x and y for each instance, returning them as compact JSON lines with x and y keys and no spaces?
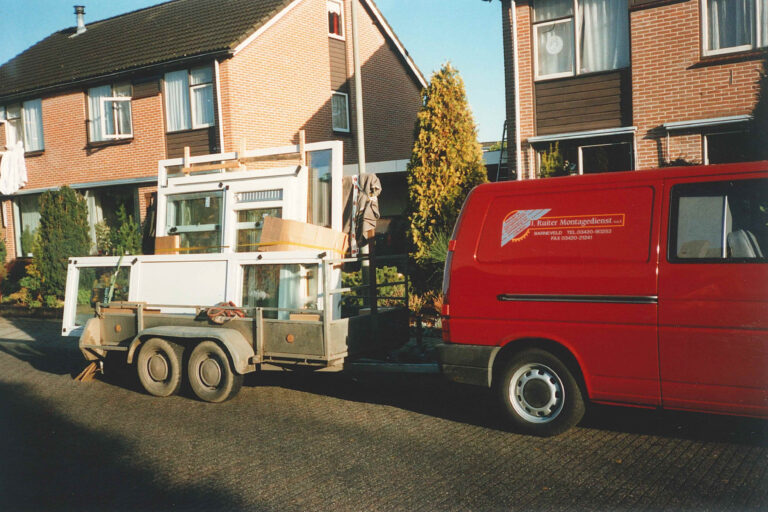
{"x":44,"y":348}
{"x":433,"y":396}
{"x":49,"y":463}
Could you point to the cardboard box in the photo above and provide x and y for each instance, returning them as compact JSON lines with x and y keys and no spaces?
{"x":291,"y":235}
{"x":167,"y":244}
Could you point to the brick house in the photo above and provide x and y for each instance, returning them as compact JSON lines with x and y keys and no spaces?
{"x":631,"y":84}
{"x":128,"y":91}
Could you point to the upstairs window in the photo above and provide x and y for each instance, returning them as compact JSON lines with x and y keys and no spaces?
{"x":189,"y":99}
{"x":110,"y":112}
{"x":335,"y":19}
{"x":24,"y":122}
{"x":573,"y":37}
{"x":734,"y":25}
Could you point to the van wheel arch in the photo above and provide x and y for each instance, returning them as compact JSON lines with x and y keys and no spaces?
{"x":511,"y":349}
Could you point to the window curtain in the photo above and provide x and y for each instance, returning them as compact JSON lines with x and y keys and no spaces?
{"x":288,"y":290}
{"x":33,"y":125}
{"x":604,"y":31}
{"x":730,"y":23}
{"x":123,"y":109}
{"x":202,"y":96}
{"x":764,"y":23}
{"x":177,"y":100}
{"x":544,"y":10}
{"x":95,"y":94}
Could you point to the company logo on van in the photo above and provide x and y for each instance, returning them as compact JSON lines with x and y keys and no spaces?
{"x":519,"y":224}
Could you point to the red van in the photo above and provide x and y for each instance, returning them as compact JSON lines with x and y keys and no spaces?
{"x":642,"y":288}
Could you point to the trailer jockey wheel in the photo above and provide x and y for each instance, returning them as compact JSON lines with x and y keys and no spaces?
{"x":159,"y":367}
{"x":210,"y":373}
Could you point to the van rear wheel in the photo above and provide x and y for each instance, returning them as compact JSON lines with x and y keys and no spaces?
{"x":539,"y":394}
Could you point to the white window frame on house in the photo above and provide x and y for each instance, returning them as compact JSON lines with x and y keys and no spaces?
{"x":22,"y":122}
{"x":340,"y":6}
{"x":190,"y":110}
{"x":107,"y":106}
{"x":576,"y":63}
{"x":581,"y":148}
{"x":759,"y":38}
{"x":343,"y":129}
{"x":705,"y":139}
{"x":615,"y":133}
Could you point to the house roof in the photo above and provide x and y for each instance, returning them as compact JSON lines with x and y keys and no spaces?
{"x":166,"y":32}
{"x":157,"y":35}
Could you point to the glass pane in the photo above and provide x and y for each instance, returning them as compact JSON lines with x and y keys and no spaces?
{"x":320,"y":191}
{"x":14,"y":111}
{"x":604,"y":35}
{"x":280,"y":286}
{"x":555,"y":48}
{"x":201,"y":76}
{"x":122,"y":90}
{"x":723,"y":148}
{"x":544,"y":10}
{"x":177,"y":100}
{"x":731,"y":23}
{"x":250,"y":223}
{"x":334,"y":18}
{"x":606,"y":158}
{"x":93,"y":287}
{"x":202,"y":98}
{"x":123,"y":112}
{"x":197,"y":218}
{"x":33,"y":125}
{"x":94,"y":109}
{"x":339,"y":112}
{"x":700,"y":227}
{"x":29,"y":213}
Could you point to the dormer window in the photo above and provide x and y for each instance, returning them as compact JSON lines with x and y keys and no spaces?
{"x":110,"y":112}
{"x":335,"y":19}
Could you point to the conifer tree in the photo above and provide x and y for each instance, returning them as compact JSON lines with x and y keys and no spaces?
{"x":63,"y":233}
{"x":446,"y":162}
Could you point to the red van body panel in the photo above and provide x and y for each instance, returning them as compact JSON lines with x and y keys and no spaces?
{"x":582,"y":262}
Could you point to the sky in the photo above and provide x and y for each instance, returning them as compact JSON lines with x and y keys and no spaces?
{"x":465,"y":32}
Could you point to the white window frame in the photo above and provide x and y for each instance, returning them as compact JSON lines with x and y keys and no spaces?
{"x":705,"y":140}
{"x":341,"y":18}
{"x":18,"y":123}
{"x":346,"y":102}
{"x":581,"y":147}
{"x":115,"y":117}
{"x":761,"y":40}
{"x":192,"y":107}
{"x":575,"y":43}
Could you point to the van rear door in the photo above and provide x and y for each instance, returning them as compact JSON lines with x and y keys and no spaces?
{"x":713,"y":295}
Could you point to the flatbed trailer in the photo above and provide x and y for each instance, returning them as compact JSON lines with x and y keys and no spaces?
{"x":213,"y":346}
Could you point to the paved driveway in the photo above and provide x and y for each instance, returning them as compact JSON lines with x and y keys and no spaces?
{"x":334,"y":442}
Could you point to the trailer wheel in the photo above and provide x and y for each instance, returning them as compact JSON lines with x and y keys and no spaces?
{"x":159,"y":367}
{"x":539,"y":394}
{"x":210,"y":373}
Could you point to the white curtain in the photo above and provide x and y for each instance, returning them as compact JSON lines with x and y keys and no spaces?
{"x":95,"y":94}
{"x":288,"y":290}
{"x":730,"y":23}
{"x":764,"y":23}
{"x":544,"y":10}
{"x":33,"y":125}
{"x":604,"y":31}
{"x":177,"y":100}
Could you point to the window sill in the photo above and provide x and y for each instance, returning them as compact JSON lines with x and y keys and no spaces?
{"x":32,"y":154}
{"x":729,"y":58}
{"x":105,"y":143}
{"x":341,"y":132}
{"x":555,"y":78}
{"x":337,"y":37}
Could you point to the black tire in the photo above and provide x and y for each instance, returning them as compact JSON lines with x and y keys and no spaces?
{"x":159,"y":367}
{"x":211,"y":375}
{"x":539,"y":394}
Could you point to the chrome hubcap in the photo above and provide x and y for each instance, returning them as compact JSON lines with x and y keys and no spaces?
{"x":157,"y":367}
{"x":536,"y":393}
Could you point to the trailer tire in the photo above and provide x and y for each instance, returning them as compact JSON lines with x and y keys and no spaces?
{"x":539,"y":394}
{"x":159,"y":367}
{"x":211,"y":374}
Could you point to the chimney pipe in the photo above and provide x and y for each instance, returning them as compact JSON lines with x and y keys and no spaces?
{"x":80,"y":12}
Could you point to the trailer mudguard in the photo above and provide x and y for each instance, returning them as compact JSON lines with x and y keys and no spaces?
{"x":234,"y":342}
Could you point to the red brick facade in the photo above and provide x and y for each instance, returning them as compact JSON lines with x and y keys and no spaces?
{"x":671,"y":81}
{"x":273,"y":87}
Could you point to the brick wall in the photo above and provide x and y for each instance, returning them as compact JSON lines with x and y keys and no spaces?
{"x":670,"y":81}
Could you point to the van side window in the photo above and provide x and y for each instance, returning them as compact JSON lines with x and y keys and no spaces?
{"x":723,"y":221}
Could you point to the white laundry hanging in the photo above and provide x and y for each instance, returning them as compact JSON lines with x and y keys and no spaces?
{"x":13,"y":169}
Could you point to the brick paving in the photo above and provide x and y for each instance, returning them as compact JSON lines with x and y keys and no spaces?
{"x":340,"y":442}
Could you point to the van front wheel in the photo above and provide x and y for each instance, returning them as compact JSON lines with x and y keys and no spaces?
{"x":539,"y":394}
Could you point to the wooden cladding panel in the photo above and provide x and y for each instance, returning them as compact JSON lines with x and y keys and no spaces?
{"x":200,"y":142}
{"x":146,"y":89}
{"x":338,"y":54}
{"x":583,"y":103}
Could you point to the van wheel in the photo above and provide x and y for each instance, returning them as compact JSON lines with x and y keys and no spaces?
{"x":159,"y":367}
{"x":210,"y":373}
{"x":539,"y":394}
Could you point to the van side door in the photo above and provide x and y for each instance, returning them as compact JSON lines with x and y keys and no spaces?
{"x":713,"y":295}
